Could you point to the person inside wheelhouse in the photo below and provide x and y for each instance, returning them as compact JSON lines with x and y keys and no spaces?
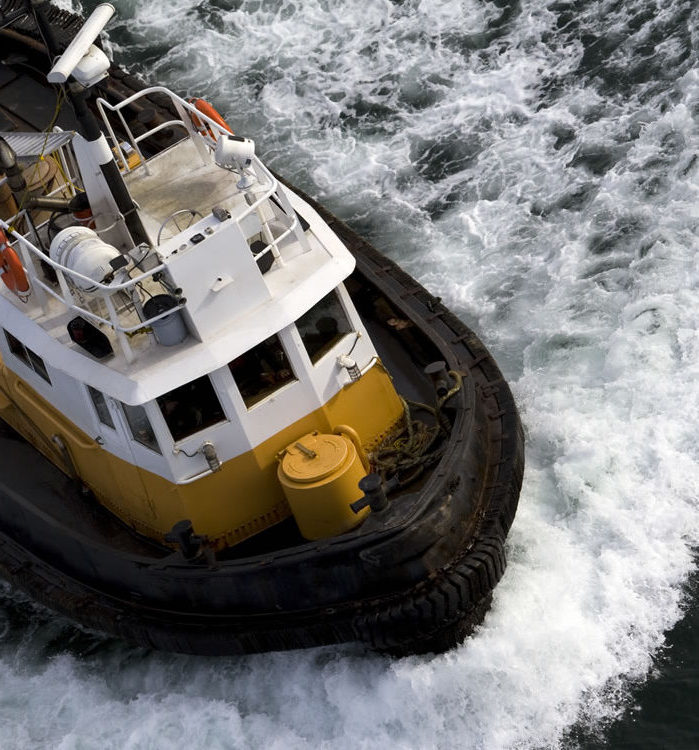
{"x":191,"y":408}
{"x":257,"y":373}
{"x":261,"y":370}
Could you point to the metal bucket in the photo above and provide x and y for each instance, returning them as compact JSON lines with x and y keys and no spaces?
{"x":171,"y":329}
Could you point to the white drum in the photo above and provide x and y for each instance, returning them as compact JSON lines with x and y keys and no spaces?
{"x":80,"y":249}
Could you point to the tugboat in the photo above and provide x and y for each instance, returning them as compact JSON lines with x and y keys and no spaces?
{"x":229,"y":424}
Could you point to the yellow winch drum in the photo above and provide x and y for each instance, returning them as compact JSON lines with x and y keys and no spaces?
{"x":320,"y":474}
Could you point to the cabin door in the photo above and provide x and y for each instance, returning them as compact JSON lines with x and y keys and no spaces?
{"x":127,"y":490}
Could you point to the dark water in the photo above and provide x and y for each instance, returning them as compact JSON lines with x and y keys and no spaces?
{"x":662,"y":711}
{"x":536,"y":164}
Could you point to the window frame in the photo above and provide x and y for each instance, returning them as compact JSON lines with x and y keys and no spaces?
{"x":28,"y":357}
{"x":205,"y":426}
{"x":341,"y":337}
{"x":90,"y":393}
{"x":130,"y":431}
{"x":294,"y":378}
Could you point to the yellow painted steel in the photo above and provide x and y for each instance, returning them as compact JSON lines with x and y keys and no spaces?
{"x":132,"y":159}
{"x":242,"y":499}
{"x":320,"y":475}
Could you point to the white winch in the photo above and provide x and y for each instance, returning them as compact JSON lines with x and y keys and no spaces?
{"x":80,"y":249}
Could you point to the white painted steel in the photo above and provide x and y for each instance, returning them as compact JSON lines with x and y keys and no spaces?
{"x":92,"y":67}
{"x":81,"y":44}
{"x":230,"y":305}
{"x":27,"y":145}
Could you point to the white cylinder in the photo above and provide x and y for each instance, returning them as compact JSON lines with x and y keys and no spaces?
{"x":81,"y":43}
{"x":81,"y":250}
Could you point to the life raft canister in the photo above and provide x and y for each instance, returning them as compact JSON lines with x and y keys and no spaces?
{"x":320,"y":475}
{"x":207,"y":109}
{"x":12,"y":270}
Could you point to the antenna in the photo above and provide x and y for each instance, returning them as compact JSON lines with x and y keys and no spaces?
{"x":82,"y":47}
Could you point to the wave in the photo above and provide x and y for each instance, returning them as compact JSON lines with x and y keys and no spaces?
{"x":535,"y":165}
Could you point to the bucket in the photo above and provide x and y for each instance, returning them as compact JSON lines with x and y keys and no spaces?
{"x":171,"y":329}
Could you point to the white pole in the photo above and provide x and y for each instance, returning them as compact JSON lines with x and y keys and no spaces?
{"x":78,"y":48}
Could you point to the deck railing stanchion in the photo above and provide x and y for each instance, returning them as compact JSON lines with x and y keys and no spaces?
{"x":121,"y":336}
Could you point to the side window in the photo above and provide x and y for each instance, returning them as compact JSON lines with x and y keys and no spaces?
{"x":26,"y":355}
{"x":191,"y":408}
{"x":140,"y":426}
{"x":100,"y":404}
{"x":323,"y":326}
{"x":261,"y":370}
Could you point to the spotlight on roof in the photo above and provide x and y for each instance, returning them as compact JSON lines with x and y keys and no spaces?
{"x":235,"y":154}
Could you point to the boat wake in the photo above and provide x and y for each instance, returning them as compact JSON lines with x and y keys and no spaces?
{"x":537,"y":166}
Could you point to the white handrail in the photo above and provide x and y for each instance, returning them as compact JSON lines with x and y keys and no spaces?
{"x":267,"y":183}
{"x":66,"y":297}
{"x":103,"y":105}
{"x":75,"y":274}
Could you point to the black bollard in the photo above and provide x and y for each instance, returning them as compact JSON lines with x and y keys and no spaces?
{"x":374,"y":494}
{"x":182,"y":533}
{"x":437,"y":372}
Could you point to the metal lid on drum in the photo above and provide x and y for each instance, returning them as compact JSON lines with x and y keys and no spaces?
{"x":315,"y":457}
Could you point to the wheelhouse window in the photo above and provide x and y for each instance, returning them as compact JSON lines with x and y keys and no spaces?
{"x":26,"y":355}
{"x":100,"y":404}
{"x":323,"y":326}
{"x":262,"y":370}
{"x":191,"y":408}
{"x":140,"y":426}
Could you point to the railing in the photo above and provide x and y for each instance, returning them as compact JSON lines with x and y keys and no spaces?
{"x":186,"y":112}
{"x":70,"y":296}
{"x":204,"y":144}
{"x":31,"y":254}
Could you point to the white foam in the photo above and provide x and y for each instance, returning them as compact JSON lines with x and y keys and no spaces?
{"x":583,"y":284}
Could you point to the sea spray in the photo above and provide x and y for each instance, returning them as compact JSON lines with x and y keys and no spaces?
{"x":534,"y":164}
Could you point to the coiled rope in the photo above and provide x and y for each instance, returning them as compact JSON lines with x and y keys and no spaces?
{"x":404,"y":454}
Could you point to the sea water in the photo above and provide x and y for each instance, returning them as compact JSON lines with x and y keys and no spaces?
{"x":535,"y":164}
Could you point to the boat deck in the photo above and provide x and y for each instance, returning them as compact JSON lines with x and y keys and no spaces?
{"x":178,"y":180}
{"x":24,"y":105}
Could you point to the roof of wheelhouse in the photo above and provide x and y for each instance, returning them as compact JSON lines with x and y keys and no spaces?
{"x":181,"y":178}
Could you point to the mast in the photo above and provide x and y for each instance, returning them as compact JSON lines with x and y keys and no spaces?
{"x":78,"y":95}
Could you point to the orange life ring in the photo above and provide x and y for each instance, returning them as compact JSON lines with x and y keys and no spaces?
{"x":11,"y":269}
{"x":207,"y":109}
{"x":84,"y":218}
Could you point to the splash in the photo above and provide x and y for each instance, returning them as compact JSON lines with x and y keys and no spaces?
{"x":536,"y":165}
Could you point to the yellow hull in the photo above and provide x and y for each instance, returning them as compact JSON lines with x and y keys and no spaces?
{"x":242,"y":499}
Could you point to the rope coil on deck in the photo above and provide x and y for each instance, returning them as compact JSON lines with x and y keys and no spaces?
{"x":404,"y":455}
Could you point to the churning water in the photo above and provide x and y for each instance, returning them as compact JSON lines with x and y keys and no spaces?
{"x":536,"y":164}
